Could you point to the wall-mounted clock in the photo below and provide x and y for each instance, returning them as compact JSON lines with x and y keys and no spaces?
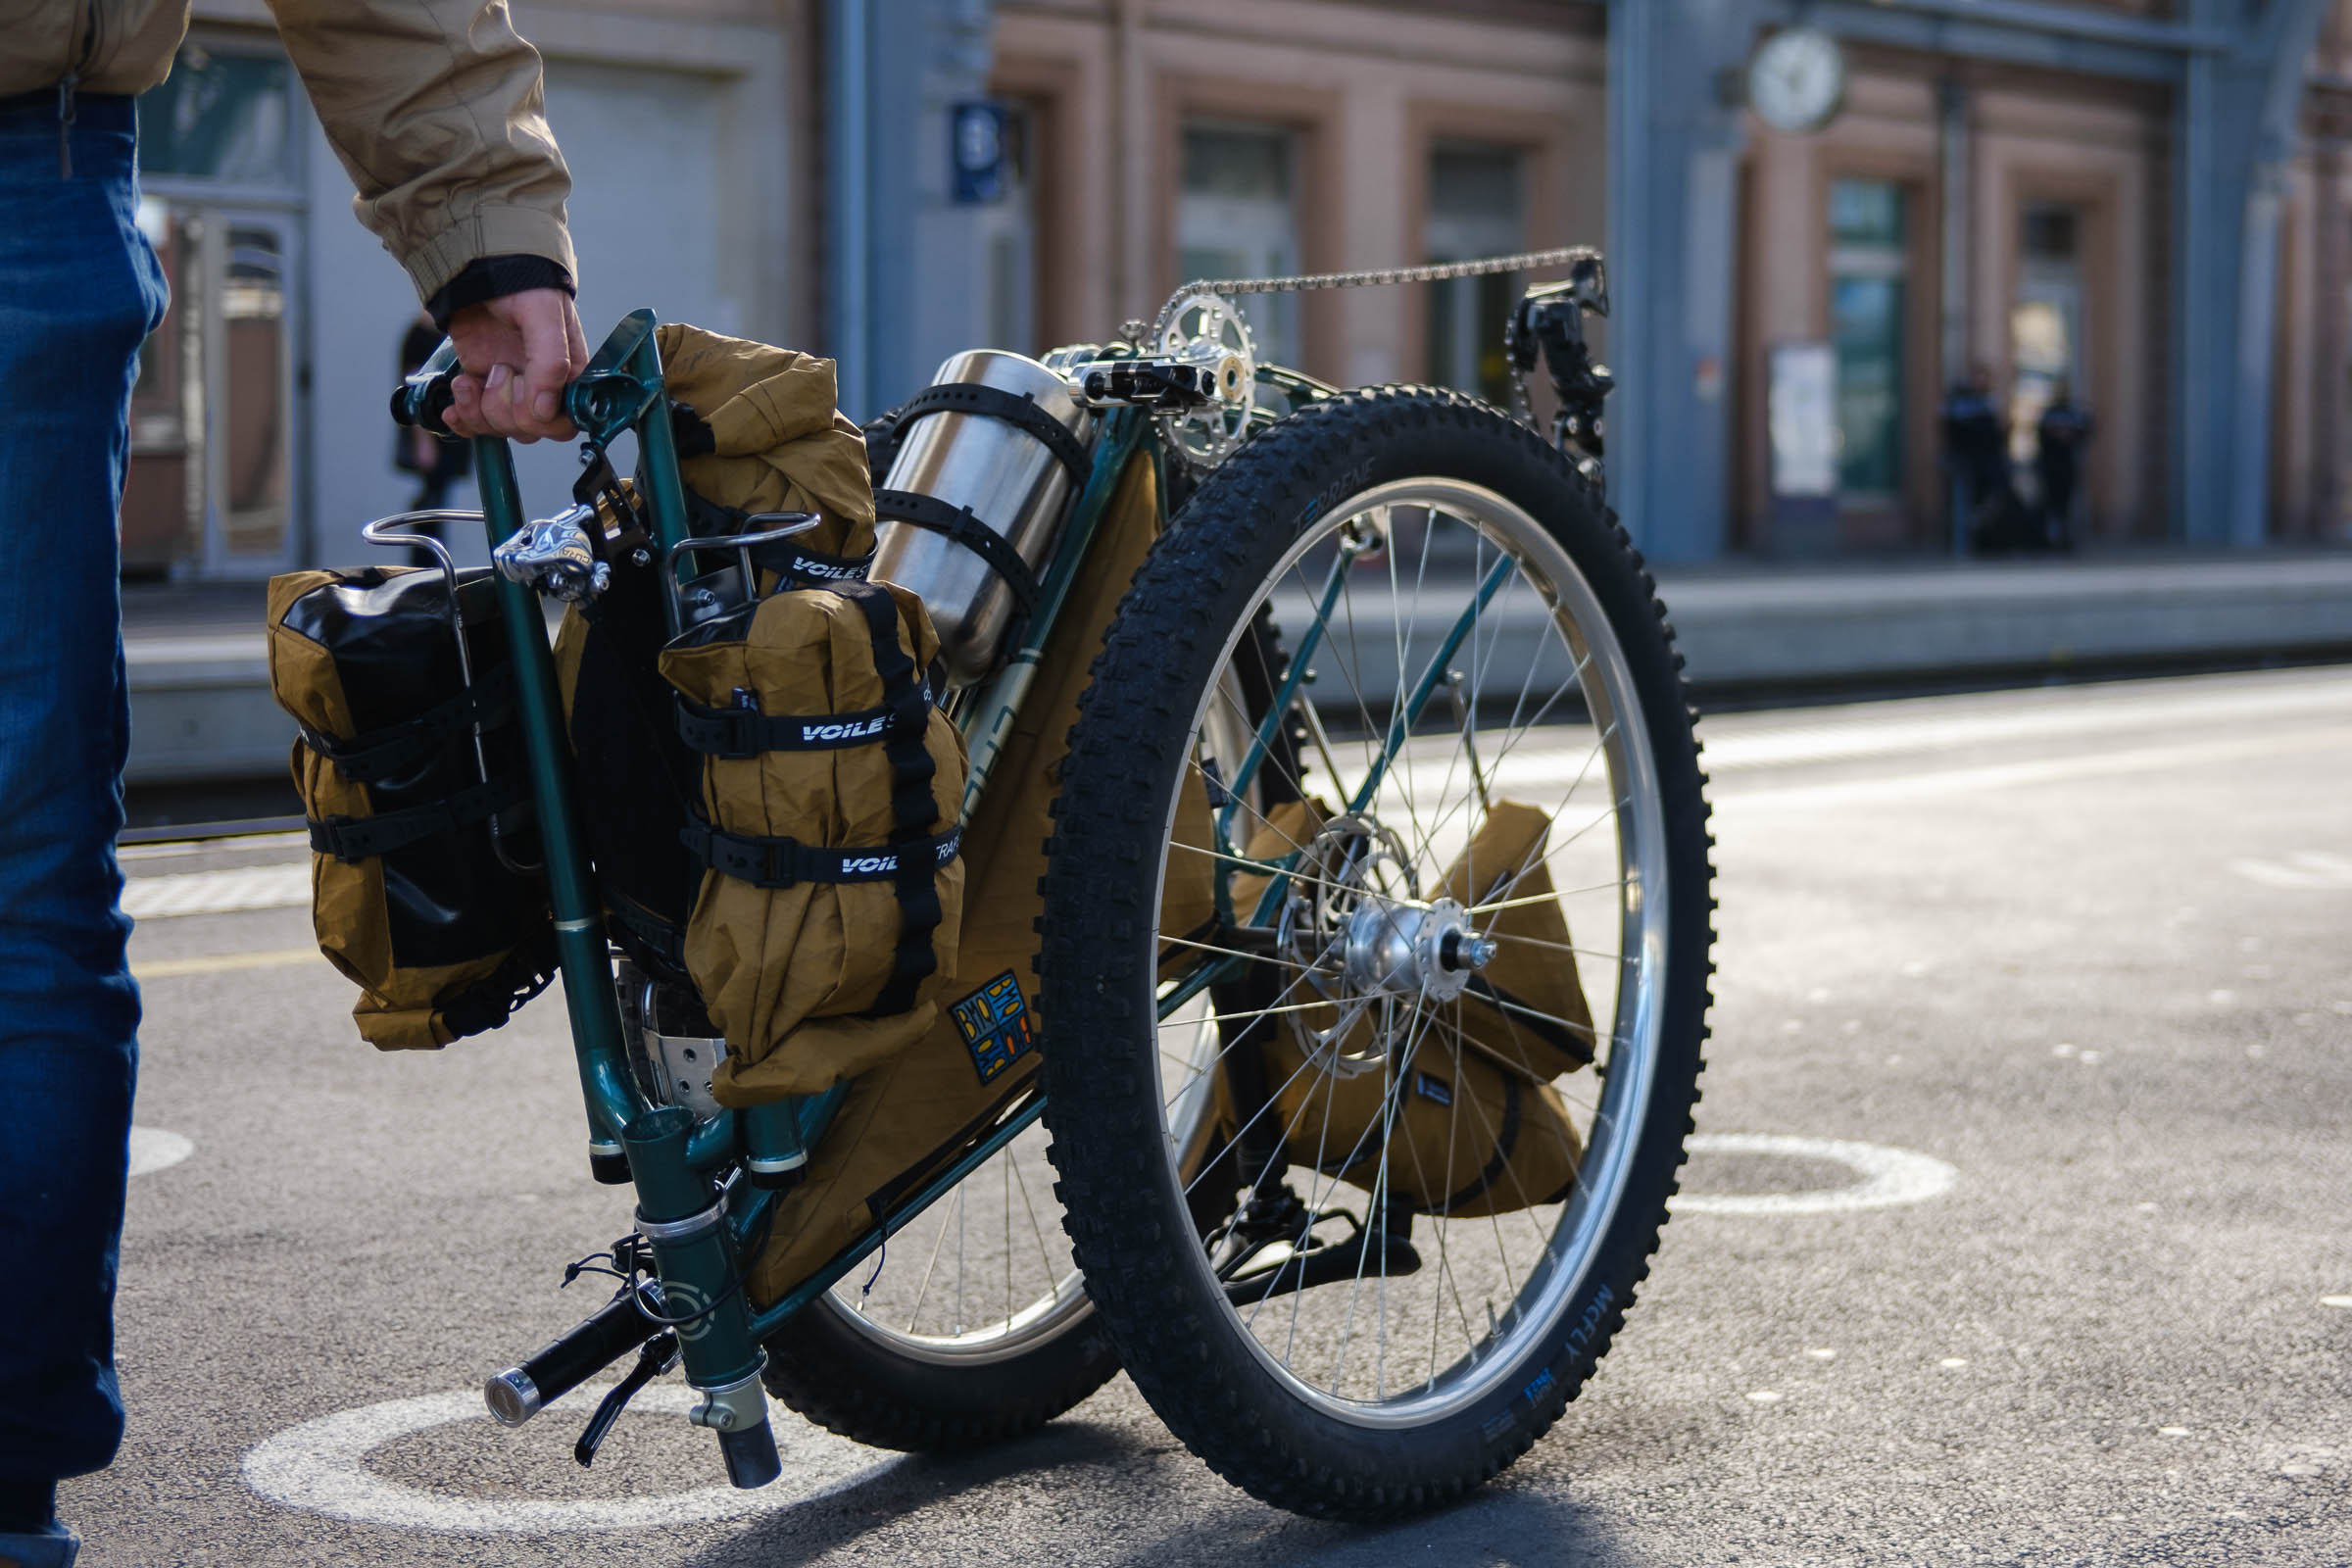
{"x":1797,"y":81}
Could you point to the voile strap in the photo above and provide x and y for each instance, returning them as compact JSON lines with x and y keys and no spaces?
{"x":1013,"y":408}
{"x":351,"y":838}
{"x":397,"y":748}
{"x":799,"y":567}
{"x":739,"y":734}
{"x":959,"y":524}
{"x":780,"y":862}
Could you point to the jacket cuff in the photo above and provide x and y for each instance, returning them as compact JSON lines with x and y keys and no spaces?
{"x":494,"y":277}
{"x":485,"y":232}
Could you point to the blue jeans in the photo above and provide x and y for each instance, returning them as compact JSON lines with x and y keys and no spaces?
{"x":79,"y":288}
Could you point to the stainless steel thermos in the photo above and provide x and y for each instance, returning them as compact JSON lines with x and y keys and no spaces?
{"x":1004,"y":475}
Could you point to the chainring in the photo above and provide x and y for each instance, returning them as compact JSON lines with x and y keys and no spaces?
{"x":1209,"y":327}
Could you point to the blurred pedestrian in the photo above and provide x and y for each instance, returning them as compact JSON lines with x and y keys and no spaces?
{"x":435,"y":108}
{"x":2059,"y":437}
{"x":437,"y":461}
{"x":1976,"y":455}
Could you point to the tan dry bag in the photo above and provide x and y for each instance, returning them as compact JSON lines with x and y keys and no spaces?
{"x":758,"y":433}
{"x":831,"y":791}
{"x":408,"y":895}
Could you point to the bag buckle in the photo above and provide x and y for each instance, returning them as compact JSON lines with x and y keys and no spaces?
{"x":739,"y":726}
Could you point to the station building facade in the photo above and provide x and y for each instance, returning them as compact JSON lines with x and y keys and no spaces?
{"x":2144,"y":202}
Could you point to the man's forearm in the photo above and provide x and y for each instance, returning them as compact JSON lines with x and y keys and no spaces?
{"x":435,"y":108}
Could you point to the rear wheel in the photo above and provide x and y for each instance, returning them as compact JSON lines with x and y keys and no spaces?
{"x":1436,"y":1193}
{"x":972,"y":1327}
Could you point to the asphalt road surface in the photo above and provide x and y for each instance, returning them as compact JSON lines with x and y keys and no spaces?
{"x":2082,"y":948}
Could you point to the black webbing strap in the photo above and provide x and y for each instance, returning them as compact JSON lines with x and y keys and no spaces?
{"x":799,"y":567}
{"x":912,"y":808}
{"x":1013,"y":408}
{"x":351,"y":838}
{"x":395,"y":748}
{"x":489,"y":1002}
{"x":665,"y":941}
{"x":967,"y":530}
{"x":739,"y":734}
{"x":766,"y":863}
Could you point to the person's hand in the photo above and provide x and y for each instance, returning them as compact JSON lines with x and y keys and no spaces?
{"x":515,"y":353}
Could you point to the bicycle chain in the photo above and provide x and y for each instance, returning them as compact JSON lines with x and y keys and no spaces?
{"x":1376,"y":278}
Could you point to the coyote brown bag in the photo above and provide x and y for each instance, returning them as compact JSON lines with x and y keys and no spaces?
{"x":831,"y":787}
{"x":1471,"y":1123}
{"x":410,"y":898}
{"x":758,"y":433}
{"x":1527,"y":1007}
{"x":903,"y":1123}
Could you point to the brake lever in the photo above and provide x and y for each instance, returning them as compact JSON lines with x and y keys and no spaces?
{"x":659,"y":1354}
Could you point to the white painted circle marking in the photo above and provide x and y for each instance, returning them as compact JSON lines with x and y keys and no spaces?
{"x":321,"y":1466}
{"x":151,"y":1148}
{"x":1889,"y":1176}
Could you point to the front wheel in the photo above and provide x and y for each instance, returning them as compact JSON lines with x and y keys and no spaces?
{"x":1443,"y":1005}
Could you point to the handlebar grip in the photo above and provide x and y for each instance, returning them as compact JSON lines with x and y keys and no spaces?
{"x":520,"y":1392}
{"x":422,"y":401}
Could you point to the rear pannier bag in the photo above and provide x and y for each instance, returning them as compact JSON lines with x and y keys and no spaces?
{"x":831,"y":788}
{"x":408,"y":896}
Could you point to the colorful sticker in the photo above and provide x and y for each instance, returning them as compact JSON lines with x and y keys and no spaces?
{"x":997,"y":1025}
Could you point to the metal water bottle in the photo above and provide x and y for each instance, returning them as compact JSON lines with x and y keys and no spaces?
{"x":1006,"y":477}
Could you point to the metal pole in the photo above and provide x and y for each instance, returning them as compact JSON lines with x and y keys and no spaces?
{"x":1958,"y":232}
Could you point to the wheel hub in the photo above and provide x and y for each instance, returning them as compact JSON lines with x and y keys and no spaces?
{"x":1401,"y":950}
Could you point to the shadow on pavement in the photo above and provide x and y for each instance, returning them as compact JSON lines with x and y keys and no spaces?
{"x":1079,"y":1492}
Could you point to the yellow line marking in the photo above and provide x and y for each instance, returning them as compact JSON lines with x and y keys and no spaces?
{"x":225,"y":963}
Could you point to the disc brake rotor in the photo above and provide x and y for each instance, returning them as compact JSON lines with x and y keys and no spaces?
{"x":1349,"y":873}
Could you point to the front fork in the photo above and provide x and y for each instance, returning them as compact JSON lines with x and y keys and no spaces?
{"x":680,"y":1211}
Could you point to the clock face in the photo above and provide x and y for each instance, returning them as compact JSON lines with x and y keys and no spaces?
{"x":1797,"y":80}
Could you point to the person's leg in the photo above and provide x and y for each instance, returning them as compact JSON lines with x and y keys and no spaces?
{"x":79,"y":288}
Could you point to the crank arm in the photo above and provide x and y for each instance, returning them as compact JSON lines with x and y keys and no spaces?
{"x":1370,"y":1249}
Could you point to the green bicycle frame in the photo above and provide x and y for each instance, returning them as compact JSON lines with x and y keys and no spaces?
{"x":621,"y":392}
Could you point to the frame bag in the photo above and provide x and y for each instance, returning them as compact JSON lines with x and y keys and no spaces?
{"x":414,"y":895}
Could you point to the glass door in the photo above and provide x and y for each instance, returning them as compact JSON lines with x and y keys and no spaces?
{"x":1475,"y":209}
{"x":1868,"y":278}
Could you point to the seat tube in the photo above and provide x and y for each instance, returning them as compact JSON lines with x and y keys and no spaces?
{"x":612,"y":1097}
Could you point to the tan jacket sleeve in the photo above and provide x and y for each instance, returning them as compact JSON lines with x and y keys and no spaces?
{"x":437,"y":109}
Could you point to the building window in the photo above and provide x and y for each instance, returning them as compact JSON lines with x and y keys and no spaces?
{"x":1868,"y":267}
{"x":1475,"y":208}
{"x":211,"y":480}
{"x":1237,"y":217}
{"x":2046,"y":320}
{"x":1008,"y":240}
{"x":219,"y":117}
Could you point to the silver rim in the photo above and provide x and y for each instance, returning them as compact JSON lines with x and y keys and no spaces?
{"x":981,"y":1276}
{"x":1543,"y":713}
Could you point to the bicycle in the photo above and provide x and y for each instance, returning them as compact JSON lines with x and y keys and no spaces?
{"x":1282,"y":744}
